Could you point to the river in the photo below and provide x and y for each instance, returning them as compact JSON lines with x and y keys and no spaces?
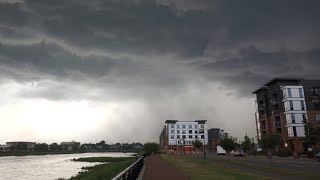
{"x":49,"y":167}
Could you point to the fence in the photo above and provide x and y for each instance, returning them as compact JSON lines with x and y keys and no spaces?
{"x":132,"y":172}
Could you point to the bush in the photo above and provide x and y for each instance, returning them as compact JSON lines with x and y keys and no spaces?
{"x":284,"y":153}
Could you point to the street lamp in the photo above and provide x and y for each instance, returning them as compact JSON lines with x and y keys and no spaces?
{"x":182,"y":145}
{"x":204,"y":142}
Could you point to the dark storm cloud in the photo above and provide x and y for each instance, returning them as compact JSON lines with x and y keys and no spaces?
{"x":239,"y":43}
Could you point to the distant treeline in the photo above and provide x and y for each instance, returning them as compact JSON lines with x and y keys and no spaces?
{"x":70,"y":147}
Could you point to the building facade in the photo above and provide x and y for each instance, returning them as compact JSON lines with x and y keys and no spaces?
{"x":214,"y":137}
{"x":180,"y":135}
{"x":281,"y":106}
{"x":22,"y":145}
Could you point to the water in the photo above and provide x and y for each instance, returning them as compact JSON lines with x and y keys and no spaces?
{"x":46,"y":166}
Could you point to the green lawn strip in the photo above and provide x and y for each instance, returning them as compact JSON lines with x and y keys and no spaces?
{"x":203,"y":169}
{"x":281,"y":171}
{"x":103,"y":171}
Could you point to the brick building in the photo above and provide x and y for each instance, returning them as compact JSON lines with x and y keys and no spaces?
{"x":281,"y":106}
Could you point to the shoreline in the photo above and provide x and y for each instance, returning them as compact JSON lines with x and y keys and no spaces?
{"x":5,"y":154}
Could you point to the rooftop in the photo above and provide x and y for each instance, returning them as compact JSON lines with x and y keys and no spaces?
{"x":282,"y":79}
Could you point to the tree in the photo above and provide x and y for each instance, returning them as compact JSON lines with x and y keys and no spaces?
{"x":270,"y":142}
{"x":151,"y":148}
{"x":312,"y":134}
{"x":248,"y":144}
{"x":228,"y":143}
{"x":55,"y":147}
{"x":41,"y":147}
{"x":197,"y":144}
{"x":22,"y":147}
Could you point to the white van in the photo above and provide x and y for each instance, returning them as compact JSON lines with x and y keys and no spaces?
{"x":221,"y":151}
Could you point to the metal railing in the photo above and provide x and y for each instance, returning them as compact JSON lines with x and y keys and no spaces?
{"x":132,"y":172}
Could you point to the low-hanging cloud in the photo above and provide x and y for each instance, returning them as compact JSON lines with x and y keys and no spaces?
{"x":151,"y":60}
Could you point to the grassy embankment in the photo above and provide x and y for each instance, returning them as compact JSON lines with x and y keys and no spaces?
{"x":199,"y":168}
{"x":111,"y":168}
{"x":202,"y":169}
{"x":280,"y":171}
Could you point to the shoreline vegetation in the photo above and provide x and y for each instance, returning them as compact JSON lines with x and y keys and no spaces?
{"x":111,"y":167}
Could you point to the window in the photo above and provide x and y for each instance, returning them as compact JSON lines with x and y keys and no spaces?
{"x":183,"y":126}
{"x":289,"y":92}
{"x":190,"y":131}
{"x":318,"y":117}
{"x":290,"y":132}
{"x":294,"y":131}
{"x":196,"y":132}
{"x":300,"y":92}
{"x":314,"y":91}
{"x":291,"y":105}
{"x":302,"y":105}
{"x":196,"y":137}
{"x":293,"y":118}
{"x":172,"y":131}
{"x":183,"y":137}
{"x":178,"y":132}
{"x":202,"y":136}
{"x":190,"y":126}
{"x":190,"y":136}
{"x":183,"y":131}
{"x":195,"y":126}
{"x":172,"y":125}
{"x":172,"y":137}
{"x":178,"y":136}
{"x":304,"y":116}
{"x":178,"y":126}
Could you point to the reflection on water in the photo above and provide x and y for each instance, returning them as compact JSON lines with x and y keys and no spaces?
{"x":47,"y":166}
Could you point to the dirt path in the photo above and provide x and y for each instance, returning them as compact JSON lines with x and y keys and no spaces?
{"x":160,"y":169}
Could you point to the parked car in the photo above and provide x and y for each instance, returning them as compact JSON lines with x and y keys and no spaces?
{"x":236,"y":153}
{"x":318,"y":156}
{"x":221,"y":151}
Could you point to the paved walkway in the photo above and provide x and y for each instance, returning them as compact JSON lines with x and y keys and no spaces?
{"x":160,"y":169}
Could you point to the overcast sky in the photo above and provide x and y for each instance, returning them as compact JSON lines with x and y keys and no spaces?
{"x":115,"y":70}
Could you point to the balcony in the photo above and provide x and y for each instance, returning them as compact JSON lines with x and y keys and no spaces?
{"x":315,"y":99}
{"x":274,"y":101}
{"x":261,"y":107}
{"x":275,"y":112}
{"x":278,"y":124}
{"x":262,"y":118}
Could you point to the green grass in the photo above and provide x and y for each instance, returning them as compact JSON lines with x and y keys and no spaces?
{"x":103,"y":171}
{"x":280,"y":171}
{"x":203,"y":169}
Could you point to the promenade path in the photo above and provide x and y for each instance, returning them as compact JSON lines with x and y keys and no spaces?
{"x":160,"y":169}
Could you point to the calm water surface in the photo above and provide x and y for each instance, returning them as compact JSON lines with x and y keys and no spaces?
{"x":46,"y":166}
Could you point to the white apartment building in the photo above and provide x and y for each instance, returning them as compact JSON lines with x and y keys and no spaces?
{"x":183,"y":133}
{"x":294,"y":109}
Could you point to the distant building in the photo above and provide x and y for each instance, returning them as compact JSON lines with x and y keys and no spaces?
{"x":5,"y":148}
{"x":214,"y":137}
{"x":70,"y":146}
{"x":22,"y":145}
{"x":180,"y":135}
{"x":281,"y":106}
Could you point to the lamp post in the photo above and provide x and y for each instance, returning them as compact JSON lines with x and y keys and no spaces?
{"x":204,"y":142}
{"x":182,"y":141}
